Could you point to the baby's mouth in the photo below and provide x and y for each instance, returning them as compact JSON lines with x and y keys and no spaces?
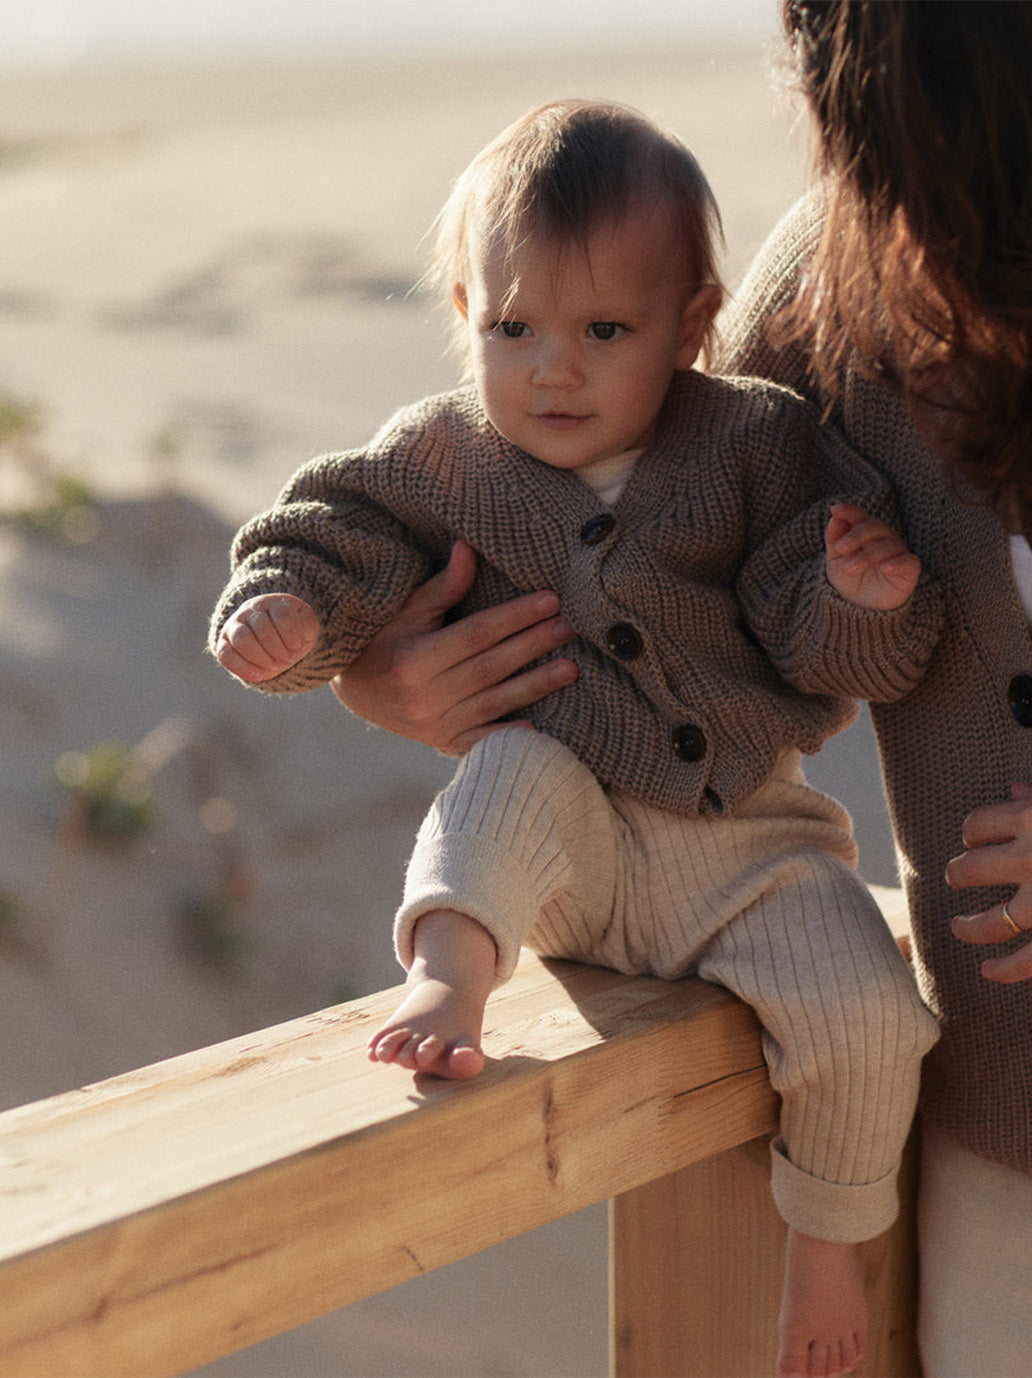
{"x":560,"y":420}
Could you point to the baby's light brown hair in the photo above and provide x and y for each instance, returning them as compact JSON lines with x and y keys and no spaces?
{"x":566,"y":169}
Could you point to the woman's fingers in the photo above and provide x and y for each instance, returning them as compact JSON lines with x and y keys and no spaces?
{"x":447,"y":685}
{"x":998,"y":843}
{"x":425,"y":608}
{"x":998,"y":839}
{"x":478,"y":716}
{"x":991,"y":926}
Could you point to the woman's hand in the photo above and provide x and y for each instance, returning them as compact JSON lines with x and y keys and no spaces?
{"x":998,"y":839}
{"x":448,"y":686}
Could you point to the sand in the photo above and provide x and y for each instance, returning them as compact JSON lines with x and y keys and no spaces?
{"x":206,"y":279}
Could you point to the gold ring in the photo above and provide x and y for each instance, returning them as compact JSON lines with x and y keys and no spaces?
{"x":1020,"y":932}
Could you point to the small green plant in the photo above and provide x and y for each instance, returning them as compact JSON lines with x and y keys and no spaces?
{"x":109,"y":788}
{"x":15,"y":939}
{"x":166,"y":445}
{"x":341,"y":993}
{"x":20,"y":420}
{"x":58,"y":504}
{"x":66,"y":509}
{"x":10,"y":913}
{"x":209,"y":926}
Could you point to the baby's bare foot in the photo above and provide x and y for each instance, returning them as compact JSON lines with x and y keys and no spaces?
{"x":437,"y":1027}
{"x":823,"y":1322}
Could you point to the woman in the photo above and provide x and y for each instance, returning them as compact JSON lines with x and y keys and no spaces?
{"x":899,"y":296}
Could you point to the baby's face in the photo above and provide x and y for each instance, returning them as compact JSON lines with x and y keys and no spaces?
{"x":574,"y":348}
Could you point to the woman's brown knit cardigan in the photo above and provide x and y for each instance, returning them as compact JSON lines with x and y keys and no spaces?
{"x":953,"y":743}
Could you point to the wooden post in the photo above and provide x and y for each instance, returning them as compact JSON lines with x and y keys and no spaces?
{"x":696,"y":1260}
{"x":696,"y":1270}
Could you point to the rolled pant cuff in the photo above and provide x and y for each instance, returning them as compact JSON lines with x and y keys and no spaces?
{"x":478,"y":878}
{"x":836,"y":1211}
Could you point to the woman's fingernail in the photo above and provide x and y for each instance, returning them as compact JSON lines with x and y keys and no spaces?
{"x":564,"y":672}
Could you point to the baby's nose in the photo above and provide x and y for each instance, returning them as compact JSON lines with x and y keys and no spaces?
{"x":556,"y":365}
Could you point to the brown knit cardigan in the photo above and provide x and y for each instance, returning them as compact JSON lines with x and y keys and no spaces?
{"x":675,"y":702}
{"x":953,"y":743}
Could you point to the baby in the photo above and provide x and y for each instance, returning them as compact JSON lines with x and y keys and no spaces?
{"x":655,"y":819}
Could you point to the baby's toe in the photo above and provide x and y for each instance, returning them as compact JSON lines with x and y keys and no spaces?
{"x":385,"y":1047}
{"x":407,"y":1055}
{"x":429,"y":1054}
{"x":465,"y":1061}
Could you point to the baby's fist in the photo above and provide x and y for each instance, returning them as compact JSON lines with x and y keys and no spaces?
{"x":267,"y":635}
{"x":868,"y":563}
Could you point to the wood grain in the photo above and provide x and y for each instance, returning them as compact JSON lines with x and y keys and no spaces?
{"x":187,"y":1210}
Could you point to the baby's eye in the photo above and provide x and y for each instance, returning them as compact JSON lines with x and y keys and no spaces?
{"x":512,"y":330}
{"x":606,"y":330}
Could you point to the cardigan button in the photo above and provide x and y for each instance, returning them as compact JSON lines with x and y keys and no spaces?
{"x":597,"y":529}
{"x":624,"y":641}
{"x":1019,"y":696}
{"x":689,"y":742}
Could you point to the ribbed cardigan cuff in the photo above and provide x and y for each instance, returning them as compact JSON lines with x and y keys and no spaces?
{"x":882,"y":654}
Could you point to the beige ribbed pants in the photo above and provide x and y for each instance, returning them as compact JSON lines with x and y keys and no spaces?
{"x":765,"y":903}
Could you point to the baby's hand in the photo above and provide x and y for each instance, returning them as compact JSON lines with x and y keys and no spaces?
{"x":868,"y":563}
{"x":267,"y":635}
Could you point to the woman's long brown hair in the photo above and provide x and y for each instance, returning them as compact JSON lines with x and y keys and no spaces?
{"x":923,"y":110}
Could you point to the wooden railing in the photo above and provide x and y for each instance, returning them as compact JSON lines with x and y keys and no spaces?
{"x":163,"y":1218}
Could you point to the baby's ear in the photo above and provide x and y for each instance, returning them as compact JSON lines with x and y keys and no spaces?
{"x":460,"y":299}
{"x":696,"y":320}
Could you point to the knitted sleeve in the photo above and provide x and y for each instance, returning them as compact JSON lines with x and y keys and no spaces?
{"x":326,"y":543}
{"x":819,"y":642}
{"x":351,"y":534}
